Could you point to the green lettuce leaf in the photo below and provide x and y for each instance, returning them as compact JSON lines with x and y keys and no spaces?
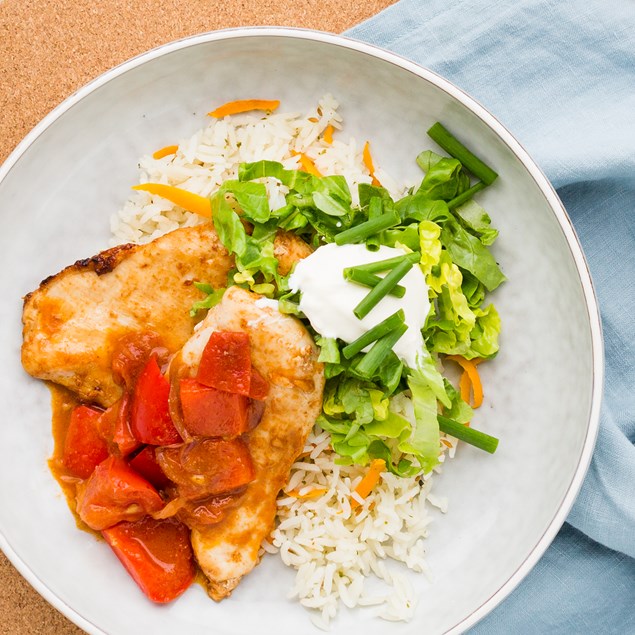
{"x":469,"y":253}
{"x":356,"y":401}
{"x":336,"y":187}
{"x":408,"y":236}
{"x":329,"y":204}
{"x":473,"y":290}
{"x":213,"y":297}
{"x":356,"y":449}
{"x":254,"y":254}
{"x":429,"y":245}
{"x":391,"y":427}
{"x":420,"y":207}
{"x":476,"y":219}
{"x":428,"y":374}
{"x":457,"y":328}
{"x":251,"y":197}
{"x":366,"y":191}
{"x":329,"y":350}
{"x":459,"y":411}
{"x":228,"y":226}
{"x":452,"y":308}
{"x":485,"y":333}
{"x":389,"y":373}
{"x":444,"y":180}
{"x":423,"y":440}
{"x":262,"y":169}
{"x":427,"y":159}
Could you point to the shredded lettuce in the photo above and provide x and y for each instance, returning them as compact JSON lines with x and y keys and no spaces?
{"x":429,"y":246}
{"x":484,"y":335}
{"x":251,"y":198}
{"x":468,"y":252}
{"x":475,"y":218}
{"x":459,"y":411}
{"x":212,"y":298}
{"x":444,"y":180}
{"x":393,"y":414}
{"x":423,"y":439}
{"x":457,"y":328}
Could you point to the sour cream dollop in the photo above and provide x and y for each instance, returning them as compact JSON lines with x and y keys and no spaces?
{"x":328,"y":299}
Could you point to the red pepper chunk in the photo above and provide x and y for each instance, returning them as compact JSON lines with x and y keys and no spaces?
{"x":207,"y":467}
{"x":84,"y":448}
{"x":113,"y":493}
{"x":114,"y":426}
{"x":211,"y":412}
{"x":157,"y":554}
{"x":209,"y":511}
{"x":131,"y":353}
{"x":145,"y":464}
{"x":259,"y":388}
{"x":150,"y":415}
{"x":226,"y":362}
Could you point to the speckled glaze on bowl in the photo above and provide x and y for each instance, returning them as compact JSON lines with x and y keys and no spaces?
{"x":57,"y":191}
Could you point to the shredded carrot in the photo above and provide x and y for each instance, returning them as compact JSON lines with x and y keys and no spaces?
{"x":187,"y":200}
{"x":469,"y":366}
{"x":368,"y":162}
{"x":465,"y":387}
{"x":328,"y":134}
{"x":314,"y":493}
{"x":371,"y":478}
{"x":446,"y":443}
{"x":307,"y":163}
{"x":244,"y":105}
{"x":164,"y":152}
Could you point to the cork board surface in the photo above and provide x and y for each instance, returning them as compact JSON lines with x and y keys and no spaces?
{"x":49,"y":49}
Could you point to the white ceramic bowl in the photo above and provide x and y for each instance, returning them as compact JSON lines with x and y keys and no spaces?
{"x":57,"y":191}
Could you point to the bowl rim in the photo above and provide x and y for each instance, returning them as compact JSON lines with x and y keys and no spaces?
{"x":542,"y":182}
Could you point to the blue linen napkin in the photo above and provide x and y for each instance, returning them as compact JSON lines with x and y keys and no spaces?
{"x":561,"y":77}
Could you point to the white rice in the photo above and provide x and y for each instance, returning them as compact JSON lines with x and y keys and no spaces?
{"x":212,"y":155}
{"x":335,"y":549}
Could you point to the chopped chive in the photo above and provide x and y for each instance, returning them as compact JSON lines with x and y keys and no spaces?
{"x":382,"y":289}
{"x":377,"y":332}
{"x":384,"y":265}
{"x":367,"y":228}
{"x":375,"y":356}
{"x":371,"y":280}
{"x":466,"y":196}
{"x":375,"y":210}
{"x":469,"y":435}
{"x":457,"y":150}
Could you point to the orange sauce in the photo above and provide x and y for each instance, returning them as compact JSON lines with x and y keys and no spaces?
{"x":62,"y":403}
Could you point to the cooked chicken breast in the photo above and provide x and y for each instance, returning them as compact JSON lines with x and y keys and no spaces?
{"x":285,"y":355}
{"x":288,"y":249}
{"x":73,"y":319}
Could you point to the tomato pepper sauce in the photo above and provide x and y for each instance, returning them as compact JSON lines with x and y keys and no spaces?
{"x":136,"y":510}
{"x":63,"y":401}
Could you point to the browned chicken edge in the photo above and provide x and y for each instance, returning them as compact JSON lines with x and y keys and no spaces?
{"x":103,"y":262}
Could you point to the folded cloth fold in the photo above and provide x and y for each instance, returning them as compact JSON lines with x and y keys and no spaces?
{"x":561,"y":77}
